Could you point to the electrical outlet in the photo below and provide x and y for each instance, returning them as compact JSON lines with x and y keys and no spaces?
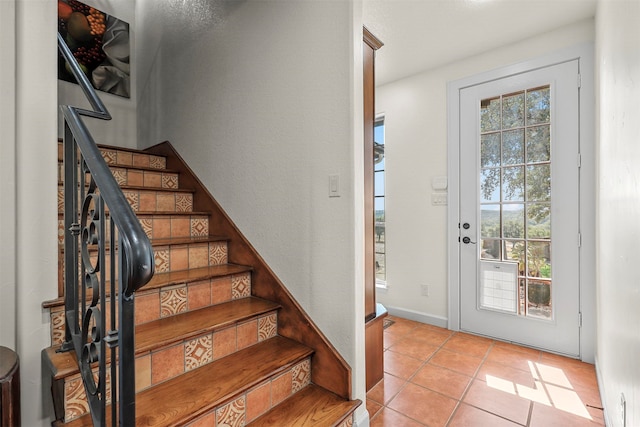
{"x":424,"y":291}
{"x":438,"y":199}
{"x":623,"y":410}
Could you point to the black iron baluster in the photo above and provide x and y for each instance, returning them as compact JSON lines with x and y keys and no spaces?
{"x":86,"y":198}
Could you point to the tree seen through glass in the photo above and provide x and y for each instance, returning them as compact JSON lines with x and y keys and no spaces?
{"x":515,"y":191}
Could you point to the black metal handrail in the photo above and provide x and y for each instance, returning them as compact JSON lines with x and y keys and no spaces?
{"x":107,"y":258}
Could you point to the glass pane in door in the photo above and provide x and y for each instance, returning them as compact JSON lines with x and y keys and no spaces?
{"x":515,"y":203}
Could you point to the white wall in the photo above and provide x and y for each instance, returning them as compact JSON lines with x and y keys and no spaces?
{"x":618,"y":277}
{"x":262,"y":100}
{"x":416,"y":150}
{"x":8,"y":175}
{"x":34,"y":218}
{"x":121,"y":130}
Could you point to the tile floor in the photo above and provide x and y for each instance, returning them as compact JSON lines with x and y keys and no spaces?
{"x":435,"y":377}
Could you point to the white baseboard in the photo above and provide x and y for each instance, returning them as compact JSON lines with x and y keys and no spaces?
{"x":607,"y":419}
{"x":361,"y":419}
{"x":418,"y":316}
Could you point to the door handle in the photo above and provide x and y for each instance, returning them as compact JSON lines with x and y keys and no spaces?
{"x":467,"y":240}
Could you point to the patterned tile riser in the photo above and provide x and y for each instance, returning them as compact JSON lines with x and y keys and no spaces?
{"x":162,"y":365}
{"x":75,"y":398}
{"x":145,"y":200}
{"x":145,"y":178}
{"x":172,"y":300}
{"x":124,"y":158}
{"x":246,"y":408}
{"x":161,"y":227}
{"x":177,"y":257}
{"x":152,"y":200}
{"x":159,"y":201}
{"x":170,"y":362}
{"x":110,"y":155}
{"x":193,"y":255}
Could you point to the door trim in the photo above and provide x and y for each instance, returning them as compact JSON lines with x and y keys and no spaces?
{"x":584,"y":53}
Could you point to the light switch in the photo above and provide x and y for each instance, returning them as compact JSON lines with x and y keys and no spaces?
{"x":334,"y":185}
{"x":439,"y":182}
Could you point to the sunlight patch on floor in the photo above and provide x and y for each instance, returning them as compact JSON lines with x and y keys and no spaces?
{"x":551,"y":388}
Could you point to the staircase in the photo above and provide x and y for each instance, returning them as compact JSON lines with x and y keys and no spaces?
{"x":219,"y":341}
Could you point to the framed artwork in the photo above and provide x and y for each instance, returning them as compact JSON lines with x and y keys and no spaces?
{"x":100,"y":44}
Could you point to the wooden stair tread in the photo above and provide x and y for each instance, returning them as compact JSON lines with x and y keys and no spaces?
{"x":142,"y":168}
{"x":312,"y":406}
{"x":167,"y":241}
{"x":134,"y":167}
{"x":117,"y":148}
{"x":160,"y":213}
{"x":195,"y":274}
{"x":168,"y":330}
{"x":149,"y":189}
{"x":126,"y":149}
{"x":172,"y":213}
{"x":158,"y":189}
{"x":183,"y":398}
{"x":165,"y":331}
{"x":61,"y":365}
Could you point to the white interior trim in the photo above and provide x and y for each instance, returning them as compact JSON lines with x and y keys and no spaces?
{"x":361,"y":420}
{"x":429,"y":319}
{"x":584,"y":53}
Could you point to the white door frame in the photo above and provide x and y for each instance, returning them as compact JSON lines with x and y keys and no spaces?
{"x":587,"y":295}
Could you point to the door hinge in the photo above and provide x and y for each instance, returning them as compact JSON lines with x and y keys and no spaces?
{"x":580,"y":319}
{"x":579,"y":160}
{"x":579,"y":81}
{"x":579,"y":240}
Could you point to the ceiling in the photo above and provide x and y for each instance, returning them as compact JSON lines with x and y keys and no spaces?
{"x":419,"y":35}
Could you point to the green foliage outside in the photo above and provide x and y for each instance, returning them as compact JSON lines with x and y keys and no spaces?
{"x":535,"y":253}
{"x":515,"y":156}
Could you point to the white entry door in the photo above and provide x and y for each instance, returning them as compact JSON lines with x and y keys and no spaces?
{"x":519,"y":209}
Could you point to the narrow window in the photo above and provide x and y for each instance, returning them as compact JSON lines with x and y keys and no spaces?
{"x":379,"y":192}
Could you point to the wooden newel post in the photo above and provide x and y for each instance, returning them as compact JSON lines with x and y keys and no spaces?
{"x":9,"y":388}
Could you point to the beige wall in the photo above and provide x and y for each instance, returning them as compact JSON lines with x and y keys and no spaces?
{"x":263,"y":100}
{"x":31,"y":265}
{"x":618,"y":277}
{"x":415,"y":111}
{"x":7,"y":175}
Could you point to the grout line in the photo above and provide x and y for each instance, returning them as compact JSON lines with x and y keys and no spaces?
{"x":493,"y":345}
{"x":459,"y":401}
{"x":530,"y":413}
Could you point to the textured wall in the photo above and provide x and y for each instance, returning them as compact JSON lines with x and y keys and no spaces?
{"x":36,"y":195}
{"x":259,"y":98}
{"x":7,"y":175}
{"x":618,"y":278}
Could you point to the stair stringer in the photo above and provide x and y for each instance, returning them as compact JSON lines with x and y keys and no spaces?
{"x":330,"y":370}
